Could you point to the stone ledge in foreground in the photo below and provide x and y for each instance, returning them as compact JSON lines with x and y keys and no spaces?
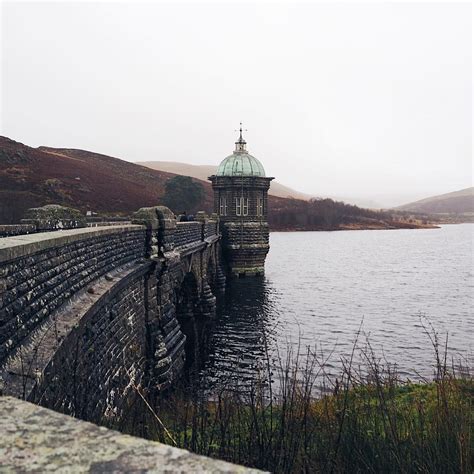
{"x":35,"y":439}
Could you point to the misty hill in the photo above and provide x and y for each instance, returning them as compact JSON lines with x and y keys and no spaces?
{"x":457,"y":202}
{"x":204,"y":171}
{"x":31,"y":177}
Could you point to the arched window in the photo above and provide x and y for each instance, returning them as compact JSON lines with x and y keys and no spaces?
{"x":223,"y":206}
{"x":245,"y":206}
{"x":241,"y":206}
{"x":259,"y":206}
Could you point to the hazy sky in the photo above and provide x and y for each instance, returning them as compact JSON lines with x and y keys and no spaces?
{"x":368,"y":101}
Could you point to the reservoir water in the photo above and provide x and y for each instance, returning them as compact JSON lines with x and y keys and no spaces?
{"x":321,"y":287}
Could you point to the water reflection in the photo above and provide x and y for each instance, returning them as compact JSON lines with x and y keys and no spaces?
{"x":243,"y":330}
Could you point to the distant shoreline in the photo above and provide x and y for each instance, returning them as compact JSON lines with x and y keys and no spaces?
{"x":358,"y":227}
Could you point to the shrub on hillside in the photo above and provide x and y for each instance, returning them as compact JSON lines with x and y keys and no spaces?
{"x":182,"y":193}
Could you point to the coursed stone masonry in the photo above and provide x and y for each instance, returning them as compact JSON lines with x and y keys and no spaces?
{"x":88,"y":314}
{"x":241,"y":201}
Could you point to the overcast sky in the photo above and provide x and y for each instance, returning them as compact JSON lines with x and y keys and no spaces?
{"x":369,"y":101}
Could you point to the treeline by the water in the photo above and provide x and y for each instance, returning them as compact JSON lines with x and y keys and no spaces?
{"x":368,"y":420}
{"x":322,"y":214}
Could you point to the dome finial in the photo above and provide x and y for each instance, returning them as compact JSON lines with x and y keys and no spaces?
{"x":240,"y":145}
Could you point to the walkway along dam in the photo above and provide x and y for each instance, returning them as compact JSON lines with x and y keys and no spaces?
{"x":87,"y":313}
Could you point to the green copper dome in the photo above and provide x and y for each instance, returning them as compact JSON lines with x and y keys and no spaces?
{"x":240,"y":163}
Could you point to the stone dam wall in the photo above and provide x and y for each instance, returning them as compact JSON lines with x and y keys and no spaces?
{"x":87,"y":315}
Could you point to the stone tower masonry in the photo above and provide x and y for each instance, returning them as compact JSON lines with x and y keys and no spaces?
{"x":241,"y":201}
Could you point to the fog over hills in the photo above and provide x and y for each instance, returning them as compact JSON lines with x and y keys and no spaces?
{"x":457,"y":202}
{"x":203,"y":171}
{"x":278,"y":189}
{"x":32,"y":177}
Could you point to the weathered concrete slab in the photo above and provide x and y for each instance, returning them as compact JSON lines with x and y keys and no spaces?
{"x":35,"y":439}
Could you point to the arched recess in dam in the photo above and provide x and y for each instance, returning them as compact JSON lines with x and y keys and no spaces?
{"x":187,"y":314}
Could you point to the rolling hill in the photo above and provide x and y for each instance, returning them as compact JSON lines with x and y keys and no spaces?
{"x":203,"y":171}
{"x":457,"y":202}
{"x":31,"y":177}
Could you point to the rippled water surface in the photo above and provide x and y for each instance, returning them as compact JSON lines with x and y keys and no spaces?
{"x":320,"y":286}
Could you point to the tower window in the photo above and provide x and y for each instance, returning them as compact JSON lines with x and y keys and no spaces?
{"x":241,"y":206}
{"x":260,"y":206}
{"x":245,"y":206}
{"x":223,"y":206}
{"x":238,"y":206}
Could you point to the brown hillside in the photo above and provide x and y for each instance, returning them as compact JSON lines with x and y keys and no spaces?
{"x":457,"y":202}
{"x":32,"y":177}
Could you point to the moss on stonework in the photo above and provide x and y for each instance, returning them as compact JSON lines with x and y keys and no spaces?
{"x":248,"y":270}
{"x":54,"y":217}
